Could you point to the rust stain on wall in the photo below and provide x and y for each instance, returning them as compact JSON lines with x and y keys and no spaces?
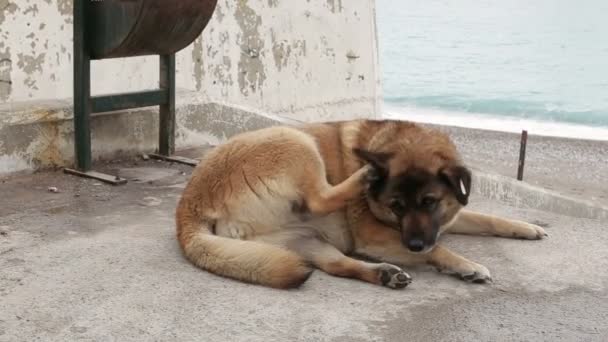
{"x":49,"y":136}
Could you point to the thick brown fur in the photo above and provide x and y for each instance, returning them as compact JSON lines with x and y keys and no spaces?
{"x":267,"y":206}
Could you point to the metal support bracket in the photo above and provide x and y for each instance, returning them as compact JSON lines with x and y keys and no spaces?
{"x":85,"y":105}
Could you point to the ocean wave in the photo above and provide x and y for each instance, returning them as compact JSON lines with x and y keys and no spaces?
{"x":495,"y":122}
{"x":552,"y":112}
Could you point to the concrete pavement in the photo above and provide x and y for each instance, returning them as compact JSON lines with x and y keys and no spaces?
{"x":100,"y":263}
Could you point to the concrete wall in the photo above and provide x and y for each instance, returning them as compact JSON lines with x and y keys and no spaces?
{"x":299,"y":60}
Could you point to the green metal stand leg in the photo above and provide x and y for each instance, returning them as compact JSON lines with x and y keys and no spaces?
{"x":82,"y":102}
{"x":166,"y":122}
{"x":82,"y":90}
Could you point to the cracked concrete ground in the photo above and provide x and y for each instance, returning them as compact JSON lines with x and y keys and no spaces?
{"x":100,"y":263}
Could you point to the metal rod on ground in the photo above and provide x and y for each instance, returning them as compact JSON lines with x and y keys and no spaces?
{"x":522,"y":154}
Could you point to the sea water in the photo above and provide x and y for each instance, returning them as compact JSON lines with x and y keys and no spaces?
{"x":497,"y":64}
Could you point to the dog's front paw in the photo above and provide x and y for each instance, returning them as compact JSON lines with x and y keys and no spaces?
{"x":475,"y":273}
{"x":393,"y":277}
{"x":368,"y":175}
{"x":530,"y":232}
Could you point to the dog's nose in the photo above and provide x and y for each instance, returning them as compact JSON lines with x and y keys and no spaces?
{"x":415,"y":245}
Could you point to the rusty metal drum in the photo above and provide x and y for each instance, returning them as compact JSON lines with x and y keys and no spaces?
{"x":126,"y":28}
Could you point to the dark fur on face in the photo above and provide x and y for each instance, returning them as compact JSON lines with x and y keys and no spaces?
{"x":416,"y":200}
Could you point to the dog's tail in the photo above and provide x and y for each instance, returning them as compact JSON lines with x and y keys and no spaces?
{"x":248,"y":261}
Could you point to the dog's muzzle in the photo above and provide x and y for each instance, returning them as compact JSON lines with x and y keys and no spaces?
{"x":415,"y":245}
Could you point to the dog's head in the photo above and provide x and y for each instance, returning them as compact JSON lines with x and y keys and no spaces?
{"x":416,"y":193}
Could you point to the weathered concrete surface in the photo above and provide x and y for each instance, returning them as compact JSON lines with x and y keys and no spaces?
{"x":100,"y":263}
{"x":41,"y":136}
{"x":304,"y":59}
{"x":522,"y":194}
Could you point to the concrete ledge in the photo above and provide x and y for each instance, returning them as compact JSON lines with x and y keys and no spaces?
{"x":39,"y":135}
{"x":521,"y":194}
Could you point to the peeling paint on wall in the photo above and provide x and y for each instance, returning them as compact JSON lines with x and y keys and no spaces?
{"x":31,"y":64}
{"x":7,"y":7}
{"x":31,"y":9}
{"x":250,"y":67}
{"x":64,"y":6}
{"x":219,"y":12}
{"x":335,"y":5}
{"x":283,"y":57}
{"x":327,"y":50}
{"x":5,"y":72}
{"x":282,"y":51}
{"x":197,"y":61}
{"x":6,"y":63}
{"x":221,"y":75}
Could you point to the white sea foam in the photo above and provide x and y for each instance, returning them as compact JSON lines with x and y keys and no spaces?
{"x":496,"y":123}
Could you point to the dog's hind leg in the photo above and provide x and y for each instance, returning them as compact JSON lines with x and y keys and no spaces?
{"x":310,"y":245}
{"x":472,"y":223}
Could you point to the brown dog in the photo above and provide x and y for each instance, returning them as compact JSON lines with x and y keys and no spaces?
{"x":268,"y":204}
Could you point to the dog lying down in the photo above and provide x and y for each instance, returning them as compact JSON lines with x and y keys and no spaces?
{"x":269,"y":205}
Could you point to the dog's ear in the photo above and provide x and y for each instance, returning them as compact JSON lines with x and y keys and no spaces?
{"x":379,"y":160}
{"x":458,"y":179}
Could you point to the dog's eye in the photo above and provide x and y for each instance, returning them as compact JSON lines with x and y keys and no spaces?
{"x":397,"y":205}
{"x":429,"y":202}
